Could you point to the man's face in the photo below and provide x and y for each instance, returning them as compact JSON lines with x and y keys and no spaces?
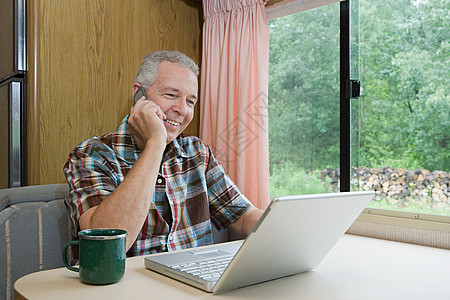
{"x":175,"y":91}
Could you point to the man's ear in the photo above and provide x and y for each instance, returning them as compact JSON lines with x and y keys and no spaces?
{"x":137,"y":92}
{"x":135,"y":87}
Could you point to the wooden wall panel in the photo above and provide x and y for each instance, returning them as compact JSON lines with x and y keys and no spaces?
{"x":86,"y":54}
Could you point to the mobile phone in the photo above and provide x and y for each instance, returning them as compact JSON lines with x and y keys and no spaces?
{"x":139,"y":93}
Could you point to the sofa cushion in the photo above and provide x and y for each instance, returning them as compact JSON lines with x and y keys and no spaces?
{"x":34,"y":228}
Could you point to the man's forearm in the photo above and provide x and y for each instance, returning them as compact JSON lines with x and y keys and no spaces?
{"x":127,"y":207}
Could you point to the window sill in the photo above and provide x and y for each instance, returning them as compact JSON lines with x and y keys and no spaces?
{"x":416,"y":220}
{"x":413,"y":228}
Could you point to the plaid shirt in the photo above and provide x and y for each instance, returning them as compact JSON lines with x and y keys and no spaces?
{"x":190,"y":179}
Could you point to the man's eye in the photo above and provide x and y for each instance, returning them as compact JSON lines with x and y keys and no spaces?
{"x":190,"y":102}
{"x":170,"y":96}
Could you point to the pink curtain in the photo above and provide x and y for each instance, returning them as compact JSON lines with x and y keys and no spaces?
{"x":234,"y":87}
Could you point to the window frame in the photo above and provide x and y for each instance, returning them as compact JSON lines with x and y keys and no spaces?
{"x":280,"y":8}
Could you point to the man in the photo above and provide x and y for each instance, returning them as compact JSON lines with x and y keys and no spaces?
{"x":164,"y":188}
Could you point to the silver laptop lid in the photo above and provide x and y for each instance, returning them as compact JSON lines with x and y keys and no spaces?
{"x":293,"y":236}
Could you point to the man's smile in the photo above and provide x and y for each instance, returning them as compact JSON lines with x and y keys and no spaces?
{"x":171,"y":122}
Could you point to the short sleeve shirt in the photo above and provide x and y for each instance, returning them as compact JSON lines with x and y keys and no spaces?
{"x":191,"y":181}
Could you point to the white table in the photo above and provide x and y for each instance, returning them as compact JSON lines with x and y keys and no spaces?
{"x":356,"y":268}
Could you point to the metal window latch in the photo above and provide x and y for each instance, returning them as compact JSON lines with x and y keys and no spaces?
{"x":353,"y":88}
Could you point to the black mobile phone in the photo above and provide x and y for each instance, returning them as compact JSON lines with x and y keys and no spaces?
{"x":139,"y":93}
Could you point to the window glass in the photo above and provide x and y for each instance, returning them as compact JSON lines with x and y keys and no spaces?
{"x":405,"y":103}
{"x":304,"y":102}
{"x":404,"y":108}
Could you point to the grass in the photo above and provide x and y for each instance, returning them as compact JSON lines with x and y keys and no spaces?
{"x":290,"y":180}
{"x":412,"y":206}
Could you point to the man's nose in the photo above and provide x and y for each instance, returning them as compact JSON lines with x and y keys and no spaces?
{"x":181,"y":106}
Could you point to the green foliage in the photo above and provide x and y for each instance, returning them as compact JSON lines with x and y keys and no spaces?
{"x":405,"y":54}
{"x":304,"y":89}
{"x":405,"y":57}
{"x":287,"y":180}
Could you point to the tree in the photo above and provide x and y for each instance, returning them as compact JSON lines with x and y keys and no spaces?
{"x":404,"y":72}
{"x":404,"y":53}
{"x":304,"y":89}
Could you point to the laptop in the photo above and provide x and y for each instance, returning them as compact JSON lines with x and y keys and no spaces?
{"x":293,"y":236}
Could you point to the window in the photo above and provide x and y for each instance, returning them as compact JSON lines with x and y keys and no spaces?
{"x":404,"y":154}
{"x":404,"y":107}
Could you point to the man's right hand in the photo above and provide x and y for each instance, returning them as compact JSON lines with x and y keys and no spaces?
{"x":146,"y":123}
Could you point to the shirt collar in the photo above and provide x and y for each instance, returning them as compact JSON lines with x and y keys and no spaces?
{"x":175,"y":149}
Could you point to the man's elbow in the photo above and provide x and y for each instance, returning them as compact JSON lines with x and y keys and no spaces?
{"x":86,"y":217}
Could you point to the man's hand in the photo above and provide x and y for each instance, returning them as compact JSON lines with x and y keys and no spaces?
{"x":244,"y":225}
{"x":146,"y":123}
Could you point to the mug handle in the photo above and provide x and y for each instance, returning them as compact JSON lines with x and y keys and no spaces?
{"x":65,"y":256}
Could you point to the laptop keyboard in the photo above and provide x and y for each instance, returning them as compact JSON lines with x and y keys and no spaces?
{"x":210,"y":269}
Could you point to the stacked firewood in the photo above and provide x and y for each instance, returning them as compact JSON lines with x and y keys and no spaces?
{"x":398,"y":185}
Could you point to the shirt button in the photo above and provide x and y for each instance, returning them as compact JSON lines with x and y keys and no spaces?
{"x":159,"y":180}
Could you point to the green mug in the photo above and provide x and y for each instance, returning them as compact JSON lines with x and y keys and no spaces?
{"x":102,"y":254}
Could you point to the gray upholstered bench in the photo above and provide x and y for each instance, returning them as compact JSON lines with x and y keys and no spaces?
{"x":34,"y":227}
